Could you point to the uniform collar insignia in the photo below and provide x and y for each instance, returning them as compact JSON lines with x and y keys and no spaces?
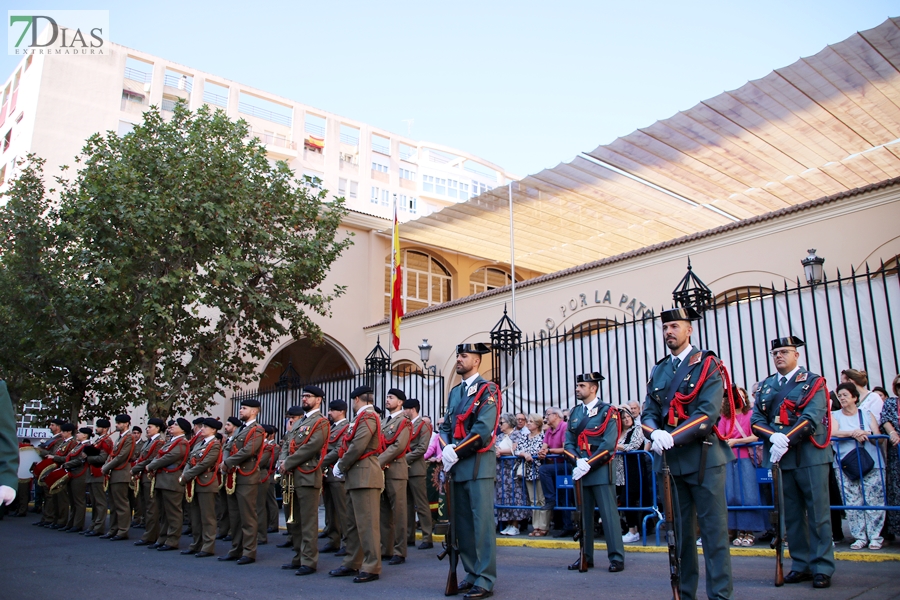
{"x":801,"y":377}
{"x":695,"y":358}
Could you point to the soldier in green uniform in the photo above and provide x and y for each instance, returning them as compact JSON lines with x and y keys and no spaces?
{"x":417,"y":488}
{"x":62,"y":498}
{"x":200,"y":475}
{"x":227,"y":523}
{"x":116,"y":469}
{"x":266,"y":469}
{"x":333,"y":492}
{"x":76,"y":465}
{"x":683,"y":404}
{"x":96,"y":457}
{"x":791,"y":417}
{"x":364,"y":481}
{"x":294,"y":414}
{"x":242,"y":464}
{"x":44,"y":449}
{"x":306,"y":449}
{"x":151,"y":518}
{"x":591,"y":439}
{"x":166,"y":469}
{"x":9,"y":453}
{"x":395,"y":429}
{"x":469,"y":430}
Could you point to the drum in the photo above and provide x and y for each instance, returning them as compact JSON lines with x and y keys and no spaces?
{"x":43,"y":467}
{"x":28,"y":456}
{"x":56,"y":481}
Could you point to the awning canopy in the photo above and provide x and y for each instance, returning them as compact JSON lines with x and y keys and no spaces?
{"x":823,"y":125}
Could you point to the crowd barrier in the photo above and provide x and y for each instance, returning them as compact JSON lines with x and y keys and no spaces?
{"x":645,"y":499}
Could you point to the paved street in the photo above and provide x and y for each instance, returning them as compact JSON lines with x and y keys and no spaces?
{"x":43,"y":564}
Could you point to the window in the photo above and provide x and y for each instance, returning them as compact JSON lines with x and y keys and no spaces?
{"x":463,"y":191}
{"x":427,"y":183}
{"x":2,"y":174}
{"x":6,"y":140}
{"x":452,"y":189}
{"x":440,"y":186}
{"x":425,"y":281}
{"x":385,"y":198}
{"x":488,"y":278}
{"x":407,"y":174}
{"x":381,"y":144}
{"x":342,"y":187}
{"x":315,"y":179}
{"x":379,"y":167}
{"x":412,"y":205}
{"x":125,"y":128}
{"x":376,"y":194}
{"x":354,"y":188}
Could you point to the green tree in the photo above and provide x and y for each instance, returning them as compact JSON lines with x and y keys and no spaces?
{"x":197,"y":253}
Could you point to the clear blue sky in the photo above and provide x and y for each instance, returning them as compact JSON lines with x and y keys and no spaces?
{"x":524,"y":84}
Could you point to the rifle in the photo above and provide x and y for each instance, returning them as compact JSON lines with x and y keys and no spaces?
{"x":778,"y":521}
{"x":669,"y":525}
{"x":579,"y":533}
{"x":450,"y":547}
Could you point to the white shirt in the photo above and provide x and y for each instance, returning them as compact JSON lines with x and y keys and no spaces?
{"x":683,"y":354}
{"x":590,"y":406}
{"x":395,"y":413}
{"x":341,"y":421}
{"x":207,"y":440}
{"x":249,"y":423}
{"x":872,"y":404}
{"x":790,"y":375}
{"x":468,"y":382}
{"x":315,"y":410}
{"x":176,"y":437}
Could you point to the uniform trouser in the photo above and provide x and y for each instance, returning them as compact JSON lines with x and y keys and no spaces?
{"x":335,"y":511}
{"x":151,"y":513}
{"x":77,"y":489}
{"x":305,"y":528}
{"x":242,"y":508}
{"x":120,"y":513}
{"x":604,"y":498}
{"x":99,"y":506}
{"x":63,"y":504}
{"x":393,"y":518}
{"x":363,"y":531}
{"x":203,"y":521}
{"x":141,"y":504}
{"x":703,"y":503}
{"x":271,"y":508}
{"x":262,"y":496}
{"x":168,"y":503}
{"x":23,"y":494}
{"x":50,"y":511}
{"x":473,"y":526}
{"x":808,"y":519}
{"x":223,"y":519}
{"x":417,"y":503}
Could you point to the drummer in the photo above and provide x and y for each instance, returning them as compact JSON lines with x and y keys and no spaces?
{"x":28,"y":456}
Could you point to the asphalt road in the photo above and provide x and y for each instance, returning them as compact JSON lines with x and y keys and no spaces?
{"x":42,"y":564}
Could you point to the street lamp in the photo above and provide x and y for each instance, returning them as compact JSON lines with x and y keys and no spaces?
{"x":812,"y":267}
{"x":425,"y":354}
{"x":692,"y":292}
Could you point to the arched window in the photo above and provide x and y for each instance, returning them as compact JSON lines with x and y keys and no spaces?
{"x":425,"y":281}
{"x":488,"y":278}
{"x":742,"y":294}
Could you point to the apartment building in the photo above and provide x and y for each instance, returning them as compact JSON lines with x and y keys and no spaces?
{"x":51,"y":104}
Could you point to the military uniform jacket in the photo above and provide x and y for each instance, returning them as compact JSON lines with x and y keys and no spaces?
{"x":480,"y":429}
{"x":201,"y":466}
{"x":362,"y":438}
{"x":105,"y":445}
{"x":601,"y":447}
{"x":418,"y":446}
{"x":684,"y":460}
{"x":267,"y":462}
{"x":309,"y":438}
{"x":59,"y":457}
{"x":766,"y":419}
{"x":397,"y":431}
{"x":52,"y":445}
{"x":75,"y":461}
{"x":120,"y":459}
{"x":244,"y":454}
{"x":148,"y":453}
{"x":169,"y":463}
{"x":334,"y":443}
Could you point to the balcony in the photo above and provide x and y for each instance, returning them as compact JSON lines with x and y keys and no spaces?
{"x":215,"y":99}
{"x":139,"y":76}
{"x":262,"y":113}
{"x":277,"y":145}
{"x":182,"y":83}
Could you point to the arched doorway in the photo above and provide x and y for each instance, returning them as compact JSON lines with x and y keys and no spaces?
{"x":307,"y":361}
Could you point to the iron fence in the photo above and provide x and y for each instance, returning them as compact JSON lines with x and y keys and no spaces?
{"x":846,"y":322}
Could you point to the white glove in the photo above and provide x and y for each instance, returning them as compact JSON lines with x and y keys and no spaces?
{"x":449,"y":457}
{"x":336,"y":470}
{"x":780,"y":441}
{"x":662,"y":440}
{"x":7,"y":494}
{"x":776,"y":453}
{"x":581,"y":469}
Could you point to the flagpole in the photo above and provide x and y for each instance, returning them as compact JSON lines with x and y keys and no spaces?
{"x":512,"y":252}
{"x":394,"y":232}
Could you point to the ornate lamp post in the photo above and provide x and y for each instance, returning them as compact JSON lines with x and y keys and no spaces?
{"x":425,"y":354}
{"x":692,"y":292}
{"x":813,"y":268}
{"x":506,"y":335}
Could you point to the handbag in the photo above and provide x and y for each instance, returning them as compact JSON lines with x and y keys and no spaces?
{"x":519,"y":471}
{"x":857,"y":463}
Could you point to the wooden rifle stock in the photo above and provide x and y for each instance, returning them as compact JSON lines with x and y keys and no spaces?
{"x":579,"y":502}
{"x":671,"y":540}
{"x":778,"y":540}
{"x":450,"y":547}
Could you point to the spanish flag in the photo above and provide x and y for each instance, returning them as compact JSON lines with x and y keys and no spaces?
{"x":396,"y":284}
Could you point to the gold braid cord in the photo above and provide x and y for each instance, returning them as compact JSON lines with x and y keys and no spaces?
{"x":189,"y":491}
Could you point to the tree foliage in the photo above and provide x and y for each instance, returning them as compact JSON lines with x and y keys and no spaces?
{"x":196,"y":254}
